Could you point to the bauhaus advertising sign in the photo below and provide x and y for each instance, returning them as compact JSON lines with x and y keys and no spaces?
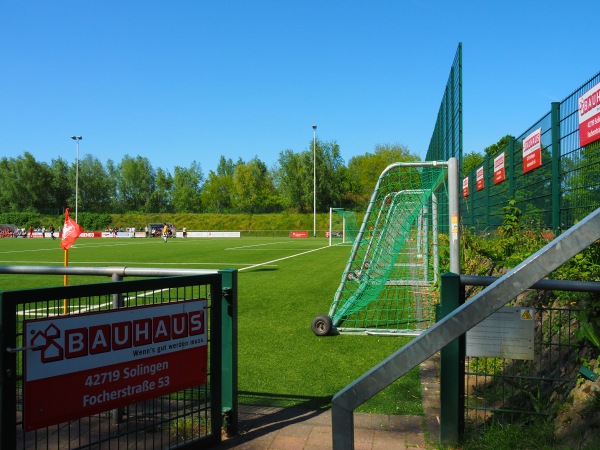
{"x":589,"y":116}
{"x":532,"y":151}
{"x":84,"y":364}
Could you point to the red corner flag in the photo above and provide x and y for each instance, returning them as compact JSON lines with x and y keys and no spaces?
{"x":71,"y":231}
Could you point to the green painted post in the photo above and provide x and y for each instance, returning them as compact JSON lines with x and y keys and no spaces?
{"x":511,"y":167}
{"x":555,"y":117}
{"x":451,"y":369}
{"x":471,"y":198}
{"x":8,"y":375}
{"x":487,"y":181}
{"x":229,"y":346}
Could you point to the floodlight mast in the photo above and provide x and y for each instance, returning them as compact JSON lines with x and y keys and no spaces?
{"x":76,"y":139}
{"x":314,"y":180}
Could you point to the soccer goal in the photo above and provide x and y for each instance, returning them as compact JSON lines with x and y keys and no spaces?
{"x":347,"y":230}
{"x":407,"y":239}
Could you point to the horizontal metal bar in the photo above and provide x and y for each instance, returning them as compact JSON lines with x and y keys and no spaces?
{"x":548,"y":285}
{"x":103,"y":271}
{"x":510,"y":411}
{"x":22,"y":349}
{"x":379,"y":331}
{"x":408,"y":283}
{"x":515,"y":378}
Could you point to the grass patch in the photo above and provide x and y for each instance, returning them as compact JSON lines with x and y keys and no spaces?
{"x":283,"y":284}
{"x":536,"y":435}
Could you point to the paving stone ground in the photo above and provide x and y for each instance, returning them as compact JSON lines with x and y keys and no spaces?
{"x":268,"y":428}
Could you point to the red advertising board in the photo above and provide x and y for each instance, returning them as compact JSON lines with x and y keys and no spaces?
{"x":466,"y":187}
{"x":298,"y":234}
{"x":84,"y":364}
{"x":499,"y":175}
{"x":479,"y":180}
{"x":532,"y":151}
{"x":589,"y":116}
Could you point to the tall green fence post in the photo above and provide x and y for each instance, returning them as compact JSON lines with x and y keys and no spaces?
{"x":488,"y":179}
{"x":229,"y":393}
{"x":511,"y":167}
{"x":452,"y":386}
{"x":555,"y":118}
{"x":471,"y":198}
{"x":8,"y":375}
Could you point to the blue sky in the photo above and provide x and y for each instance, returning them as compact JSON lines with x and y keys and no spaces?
{"x":182,"y":81}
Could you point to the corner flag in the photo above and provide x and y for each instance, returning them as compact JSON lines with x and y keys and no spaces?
{"x":71,"y":231}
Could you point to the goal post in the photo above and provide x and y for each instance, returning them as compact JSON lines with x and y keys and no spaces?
{"x":349,"y":225}
{"x":408,"y":237}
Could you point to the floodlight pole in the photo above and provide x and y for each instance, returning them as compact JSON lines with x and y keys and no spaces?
{"x":314,"y":180}
{"x":76,"y":139}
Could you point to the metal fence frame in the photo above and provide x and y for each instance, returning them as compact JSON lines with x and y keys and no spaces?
{"x":447,"y":141}
{"x":457,"y":322}
{"x":553,"y":196}
{"x":220,"y":288}
{"x":458,"y":409}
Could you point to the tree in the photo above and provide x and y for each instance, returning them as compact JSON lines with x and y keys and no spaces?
{"x":187,"y":184}
{"x":25,"y":184}
{"x":496,"y":148}
{"x":471,"y":161}
{"x":291,"y":179}
{"x":160,"y":199}
{"x":295,"y":177}
{"x":364,"y":170}
{"x":60,"y":185}
{"x":331,"y":176}
{"x":217,"y":191}
{"x":113,"y":177}
{"x":8,"y":188}
{"x":95,"y":186}
{"x":136,"y":183}
{"x":253,"y":187}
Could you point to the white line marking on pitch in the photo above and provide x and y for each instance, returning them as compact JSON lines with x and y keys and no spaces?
{"x":256,"y":245}
{"x":281,"y":259}
{"x":89,"y":307}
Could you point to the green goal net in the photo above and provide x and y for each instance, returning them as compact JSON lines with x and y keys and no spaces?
{"x":390,"y":282}
{"x":348,"y":229}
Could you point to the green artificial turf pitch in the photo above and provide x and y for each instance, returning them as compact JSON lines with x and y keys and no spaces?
{"x":283,"y":284}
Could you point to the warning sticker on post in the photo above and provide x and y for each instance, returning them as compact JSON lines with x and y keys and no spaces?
{"x":507,"y":333}
{"x":83,"y":364}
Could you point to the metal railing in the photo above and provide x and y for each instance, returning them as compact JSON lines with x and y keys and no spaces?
{"x":476,"y":391}
{"x":457,"y":323}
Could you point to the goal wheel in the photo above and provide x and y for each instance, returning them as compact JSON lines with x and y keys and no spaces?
{"x":322,"y":325}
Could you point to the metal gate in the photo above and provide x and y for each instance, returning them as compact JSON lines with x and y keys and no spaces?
{"x":505,"y":390}
{"x":177,"y":416}
{"x":477,"y":391}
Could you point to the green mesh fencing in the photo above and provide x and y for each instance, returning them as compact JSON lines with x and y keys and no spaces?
{"x":555,"y":195}
{"x":388,"y":284}
{"x":446,"y":139}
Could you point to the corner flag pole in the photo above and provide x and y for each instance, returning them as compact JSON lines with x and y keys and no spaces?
{"x":66,"y":280}
{"x":71,"y":231}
